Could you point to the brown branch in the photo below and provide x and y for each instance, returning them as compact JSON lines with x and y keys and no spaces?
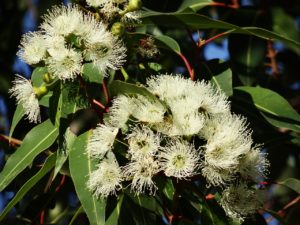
{"x":13,"y":141}
{"x":271,"y":55}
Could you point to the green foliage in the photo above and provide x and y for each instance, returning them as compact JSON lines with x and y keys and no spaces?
{"x":75,"y":107}
{"x":36,"y":141}
{"x":81,"y":167}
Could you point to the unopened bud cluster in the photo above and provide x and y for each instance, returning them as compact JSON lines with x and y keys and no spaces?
{"x":182,"y":130}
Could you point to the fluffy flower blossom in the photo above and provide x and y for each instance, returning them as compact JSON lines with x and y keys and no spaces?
{"x":120,"y":112}
{"x":106,"y":179}
{"x":24,"y":92}
{"x":32,"y":48}
{"x":179,"y":159}
{"x":240,"y":201}
{"x":146,"y":110}
{"x":101,"y":141}
{"x":65,"y":63}
{"x":141,"y":173}
{"x":68,"y":37}
{"x":143,"y":142}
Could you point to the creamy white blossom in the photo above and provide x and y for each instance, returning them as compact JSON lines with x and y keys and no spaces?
{"x":120,"y":112}
{"x":104,"y":50}
{"x":65,"y":63}
{"x":146,"y":110}
{"x":101,"y":141}
{"x":32,"y":48}
{"x":62,"y":20}
{"x":106,"y":179}
{"x":96,"y":3}
{"x":141,"y":172}
{"x":24,"y":93}
{"x":240,"y":201}
{"x":143,"y":142}
{"x":179,"y":159}
{"x":253,"y":165}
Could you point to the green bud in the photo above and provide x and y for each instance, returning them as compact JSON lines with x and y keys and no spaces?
{"x":134,"y":5}
{"x":47,"y":78}
{"x":117,"y":29}
{"x":40,"y":91}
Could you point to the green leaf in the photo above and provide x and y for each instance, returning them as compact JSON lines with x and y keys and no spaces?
{"x":146,"y":202}
{"x":167,"y":42}
{"x":18,"y":115}
{"x":196,"y":21}
{"x":63,"y":151}
{"x":37,"y":140}
{"x":81,"y":166}
{"x":284,"y":24}
{"x":291,"y":183}
{"x":37,"y":76}
{"x":194,"y":5}
{"x":48,"y":165}
{"x":273,"y":106}
{"x":117,"y":87}
{"x":91,"y":74}
{"x":114,"y":216}
{"x":223,"y":82}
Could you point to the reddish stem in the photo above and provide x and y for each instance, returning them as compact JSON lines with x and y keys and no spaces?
{"x":42,"y":217}
{"x":188,"y":66}
{"x":105,"y":91}
{"x":62,"y":181}
{"x":100,"y":105}
{"x":234,"y":4}
{"x":213,"y":38}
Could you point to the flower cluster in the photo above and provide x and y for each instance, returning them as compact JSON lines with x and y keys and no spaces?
{"x":126,"y":9}
{"x":181,"y":130}
{"x":67,"y":39}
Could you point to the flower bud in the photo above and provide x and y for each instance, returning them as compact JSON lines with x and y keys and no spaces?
{"x":117,"y":29}
{"x":134,"y":5}
{"x":47,"y":78}
{"x":40,"y":91}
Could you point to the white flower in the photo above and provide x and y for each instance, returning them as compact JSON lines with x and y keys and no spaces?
{"x":253,"y":165}
{"x":55,"y":45}
{"x":96,"y":3}
{"x":104,"y":50}
{"x":62,"y":20}
{"x":102,"y":140}
{"x":65,"y":63}
{"x":186,"y":118}
{"x":32,"y":48}
{"x":141,"y":172}
{"x":120,"y":112}
{"x":143,"y":142}
{"x":179,"y":159}
{"x":239,"y":201}
{"x":146,"y":110}
{"x":25,"y":95}
{"x":134,"y":17}
{"x":200,"y":95}
{"x":217,"y":176}
{"x":106,"y":179}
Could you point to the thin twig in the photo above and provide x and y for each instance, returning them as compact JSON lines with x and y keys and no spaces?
{"x":14,"y":141}
{"x":188,"y":66}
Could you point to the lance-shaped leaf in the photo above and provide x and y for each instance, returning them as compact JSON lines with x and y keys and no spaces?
{"x":18,"y":115}
{"x":292,"y":183}
{"x":114,"y":216}
{"x":223,"y":81}
{"x":48,"y":165}
{"x":194,"y":5}
{"x":196,"y":21}
{"x":274,"y":108}
{"x":37,"y":140}
{"x":81,"y":166}
{"x":118,"y":87}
